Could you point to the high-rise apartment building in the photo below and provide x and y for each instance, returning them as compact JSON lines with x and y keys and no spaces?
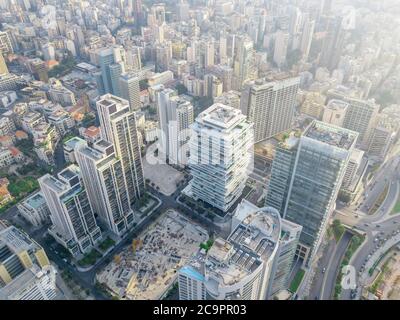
{"x":130,"y":90}
{"x":307,"y":174}
{"x":381,"y":137}
{"x":74,"y":224}
{"x":175,"y":117}
{"x":243,"y":67}
{"x":221,"y":153}
{"x":281,"y":48}
{"x":306,"y":38}
{"x":104,"y":180}
{"x":360,"y":117}
{"x":25,"y":270}
{"x":118,"y":126}
{"x":270,"y":105}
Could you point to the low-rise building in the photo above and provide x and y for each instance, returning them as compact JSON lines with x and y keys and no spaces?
{"x":31,"y":119}
{"x":62,"y":120}
{"x":6,"y":141}
{"x":9,"y":156}
{"x":7,"y":126}
{"x":5,"y":195}
{"x":69,"y":147}
{"x":60,"y":94}
{"x":7,"y":98}
{"x":313,"y":104}
{"x":90,"y":134}
{"x":35,"y":210}
{"x":150,"y":131}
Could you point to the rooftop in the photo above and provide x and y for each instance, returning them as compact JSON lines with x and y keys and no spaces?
{"x":71,"y":143}
{"x":331,"y":135}
{"x":108,"y":100}
{"x":16,"y":240}
{"x":220,"y":116}
{"x":252,"y":242}
{"x":336,"y":104}
{"x":35,"y":200}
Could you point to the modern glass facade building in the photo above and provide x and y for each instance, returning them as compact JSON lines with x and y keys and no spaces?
{"x":306,"y":177}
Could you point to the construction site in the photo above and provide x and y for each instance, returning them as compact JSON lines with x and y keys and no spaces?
{"x":147,"y":268}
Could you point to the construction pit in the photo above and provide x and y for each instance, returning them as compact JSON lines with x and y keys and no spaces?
{"x":148,"y":267}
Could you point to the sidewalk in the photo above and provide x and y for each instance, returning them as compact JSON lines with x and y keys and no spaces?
{"x":365,"y":278}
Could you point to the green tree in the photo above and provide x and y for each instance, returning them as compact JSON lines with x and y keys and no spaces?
{"x":181,"y":88}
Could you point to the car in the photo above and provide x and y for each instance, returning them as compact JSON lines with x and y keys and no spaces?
{"x":394,"y":222}
{"x":378,"y":225}
{"x":366,"y":224}
{"x":323,"y":270}
{"x":376,"y":239}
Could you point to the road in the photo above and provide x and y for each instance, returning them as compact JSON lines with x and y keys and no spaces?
{"x":316,"y":288}
{"x":332,"y":271}
{"x":357,"y":216}
{"x":87,"y":279}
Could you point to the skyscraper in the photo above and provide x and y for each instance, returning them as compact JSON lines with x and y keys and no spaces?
{"x":104,"y":180}
{"x":307,"y":174}
{"x":74,"y":225}
{"x":281,"y":48}
{"x":118,"y":126}
{"x":130,"y":90}
{"x":175,"y":117}
{"x":220,"y":155}
{"x":333,"y":44}
{"x":243,"y":66}
{"x":112,"y":64}
{"x":270,"y":105}
{"x":306,"y":38}
{"x":360,"y":117}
